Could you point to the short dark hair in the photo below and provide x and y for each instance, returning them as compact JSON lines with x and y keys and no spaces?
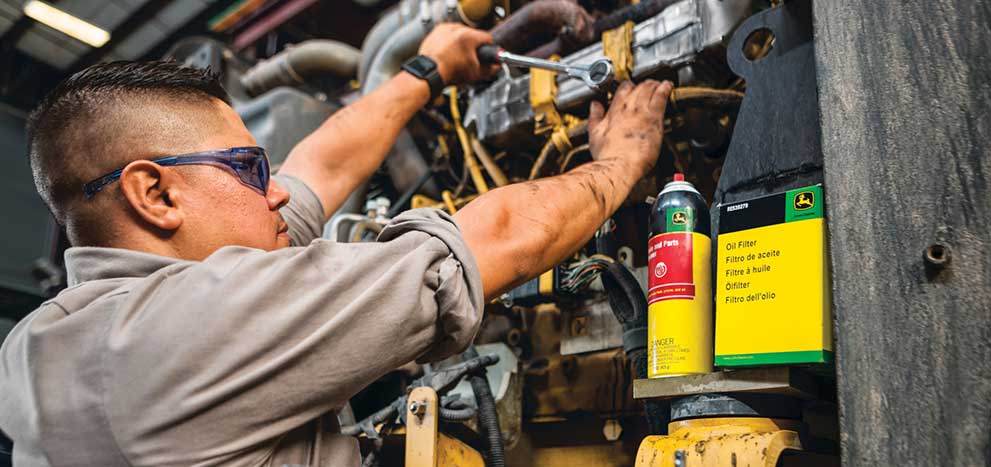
{"x":59,"y":144}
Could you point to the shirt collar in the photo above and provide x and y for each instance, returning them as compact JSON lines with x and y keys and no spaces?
{"x":91,"y":263}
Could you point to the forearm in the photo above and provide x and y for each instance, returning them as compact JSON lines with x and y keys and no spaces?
{"x":519,"y":231}
{"x":347,"y":148}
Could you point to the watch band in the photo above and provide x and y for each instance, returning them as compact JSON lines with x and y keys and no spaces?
{"x":425,"y":68}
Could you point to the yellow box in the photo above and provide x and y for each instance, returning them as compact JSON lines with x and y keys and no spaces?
{"x":772,"y":281}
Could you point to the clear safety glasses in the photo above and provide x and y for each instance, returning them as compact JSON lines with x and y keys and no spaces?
{"x":249,"y":164}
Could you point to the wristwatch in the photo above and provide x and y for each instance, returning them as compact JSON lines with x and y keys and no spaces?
{"x":425,"y":68}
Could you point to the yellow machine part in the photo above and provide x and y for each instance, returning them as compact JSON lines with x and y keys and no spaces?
{"x":425,"y":446}
{"x":721,"y":442}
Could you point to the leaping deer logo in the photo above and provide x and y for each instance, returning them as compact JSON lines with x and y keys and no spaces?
{"x":679,"y":218}
{"x":804,"y":200}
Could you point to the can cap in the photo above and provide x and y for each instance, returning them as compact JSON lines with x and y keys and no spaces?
{"x":678,"y":184}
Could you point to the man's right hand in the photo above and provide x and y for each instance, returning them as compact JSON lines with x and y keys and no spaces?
{"x":453,"y":47}
{"x":633,"y":128}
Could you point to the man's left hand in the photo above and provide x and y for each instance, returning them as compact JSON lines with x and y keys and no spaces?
{"x":453,"y":47}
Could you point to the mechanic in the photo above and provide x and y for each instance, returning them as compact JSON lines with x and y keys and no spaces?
{"x":192,"y":333}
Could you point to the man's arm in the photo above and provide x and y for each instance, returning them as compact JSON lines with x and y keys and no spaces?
{"x":347,"y":148}
{"x":519,"y":231}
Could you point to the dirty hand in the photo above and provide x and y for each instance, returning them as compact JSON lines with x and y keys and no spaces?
{"x":453,"y":46}
{"x":633,"y":128}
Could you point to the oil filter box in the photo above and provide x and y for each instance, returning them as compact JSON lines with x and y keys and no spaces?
{"x":772,"y":277}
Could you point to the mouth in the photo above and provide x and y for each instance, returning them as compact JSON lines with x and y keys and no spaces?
{"x":283,"y":228}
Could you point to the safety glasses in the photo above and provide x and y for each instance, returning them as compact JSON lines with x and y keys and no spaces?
{"x":249,"y":164}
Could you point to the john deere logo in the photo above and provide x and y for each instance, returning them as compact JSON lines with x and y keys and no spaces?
{"x":679,"y":218}
{"x":804,"y":200}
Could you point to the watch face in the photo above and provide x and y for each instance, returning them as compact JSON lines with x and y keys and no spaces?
{"x":423,"y":66}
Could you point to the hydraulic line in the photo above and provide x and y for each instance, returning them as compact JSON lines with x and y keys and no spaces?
{"x":488,"y":162}
{"x":476,"y":173}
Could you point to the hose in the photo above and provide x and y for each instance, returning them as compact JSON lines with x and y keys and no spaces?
{"x":710,"y":98}
{"x":476,"y":173}
{"x":629,"y":305}
{"x":301,"y":62}
{"x":549,"y":148}
{"x":488,"y":162}
{"x":457,"y":415}
{"x":488,"y":418}
{"x":544,"y":20}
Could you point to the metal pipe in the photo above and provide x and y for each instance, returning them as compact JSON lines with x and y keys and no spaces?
{"x":300,"y":62}
{"x":542,"y":21}
{"x":476,"y":174}
{"x":379,"y":33}
{"x":488,"y":162}
{"x":390,"y":57}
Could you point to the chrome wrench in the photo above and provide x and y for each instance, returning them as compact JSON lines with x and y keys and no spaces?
{"x":594,"y":75}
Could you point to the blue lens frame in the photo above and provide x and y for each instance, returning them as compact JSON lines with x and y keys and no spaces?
{"x":249,"y":164}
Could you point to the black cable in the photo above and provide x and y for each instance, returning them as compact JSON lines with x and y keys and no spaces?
{"x":629,"y":305}
{"x":457,"y":415}
{"x":488,"y":418}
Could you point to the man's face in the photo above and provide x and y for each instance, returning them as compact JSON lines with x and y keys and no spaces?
{"x":217,"y":210}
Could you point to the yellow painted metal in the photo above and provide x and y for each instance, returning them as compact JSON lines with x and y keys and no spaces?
{"x":475,"y":11}
{"x":421,"y":201}
{"x":721,"y":442}
{"x":616,"y":45}
{"x":453,"y":453}
{"x":448,"y":201}
{"x":421,"y":428}
{"x":476,"y":173}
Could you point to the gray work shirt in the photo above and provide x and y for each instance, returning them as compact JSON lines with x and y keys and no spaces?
{"x":235,"y":360}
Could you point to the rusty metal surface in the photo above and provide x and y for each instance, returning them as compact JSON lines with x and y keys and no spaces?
{"x":721,"y":442}
{"x":454,"y":453}
{"x":590,"y":327}
{"x":786,"y":381}
{"x":543,"y":21}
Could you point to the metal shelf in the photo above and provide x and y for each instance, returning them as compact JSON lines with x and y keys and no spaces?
{"x":786,"y":381}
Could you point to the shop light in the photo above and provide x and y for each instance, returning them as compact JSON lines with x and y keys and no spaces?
{"x":66,"y":23}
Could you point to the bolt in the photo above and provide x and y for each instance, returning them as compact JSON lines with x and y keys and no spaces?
{"x":937,"y":256}
{"x":417,"y":408}
{"x":612,"y":429}
{"x":579,"y":326}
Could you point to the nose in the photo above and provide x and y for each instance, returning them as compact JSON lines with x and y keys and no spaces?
{"x":277,"y":196}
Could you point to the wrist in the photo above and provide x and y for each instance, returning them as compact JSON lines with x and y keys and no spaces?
{"x":427,"y":69}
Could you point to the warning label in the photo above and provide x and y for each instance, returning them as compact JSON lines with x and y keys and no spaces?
{"x":669,"y":259}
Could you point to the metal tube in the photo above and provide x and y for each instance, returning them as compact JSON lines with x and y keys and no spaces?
{"x":299,"y":62}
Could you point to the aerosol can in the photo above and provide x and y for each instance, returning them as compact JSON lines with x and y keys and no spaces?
{"x":679,"y":295}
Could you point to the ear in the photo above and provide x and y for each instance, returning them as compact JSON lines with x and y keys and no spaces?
{"x":152,"y":193}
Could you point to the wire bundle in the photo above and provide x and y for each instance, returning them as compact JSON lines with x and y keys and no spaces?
{"x":583,"y":273}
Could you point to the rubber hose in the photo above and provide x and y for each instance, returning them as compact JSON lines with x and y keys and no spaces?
{"x":457,"y":415}
{"x":488,"y":418}
{"x":629,"y":305}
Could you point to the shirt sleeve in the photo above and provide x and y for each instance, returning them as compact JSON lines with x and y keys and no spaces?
{"x":304,"y":213}
{"x":248,"y":345}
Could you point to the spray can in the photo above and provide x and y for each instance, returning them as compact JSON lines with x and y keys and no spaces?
{"x":679,"y":295}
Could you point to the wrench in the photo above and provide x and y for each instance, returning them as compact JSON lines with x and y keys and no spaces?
{"x":594,"y":75}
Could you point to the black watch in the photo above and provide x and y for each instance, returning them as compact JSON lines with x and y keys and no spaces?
{"x":425,"y":68}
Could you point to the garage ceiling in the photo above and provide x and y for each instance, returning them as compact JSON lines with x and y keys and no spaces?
{"x":62,"y":51}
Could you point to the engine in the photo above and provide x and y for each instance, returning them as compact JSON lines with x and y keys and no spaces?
{"x":561,"y":385}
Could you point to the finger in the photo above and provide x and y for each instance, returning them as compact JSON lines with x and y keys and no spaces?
{"x":624,"y":90}
{"x":478,"y":37}
{"x":595,"y":113}
{"x":659,"y":99}
{"x":641,"y":95}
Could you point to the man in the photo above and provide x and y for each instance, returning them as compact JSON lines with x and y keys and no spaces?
{"x":193,"y":334}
